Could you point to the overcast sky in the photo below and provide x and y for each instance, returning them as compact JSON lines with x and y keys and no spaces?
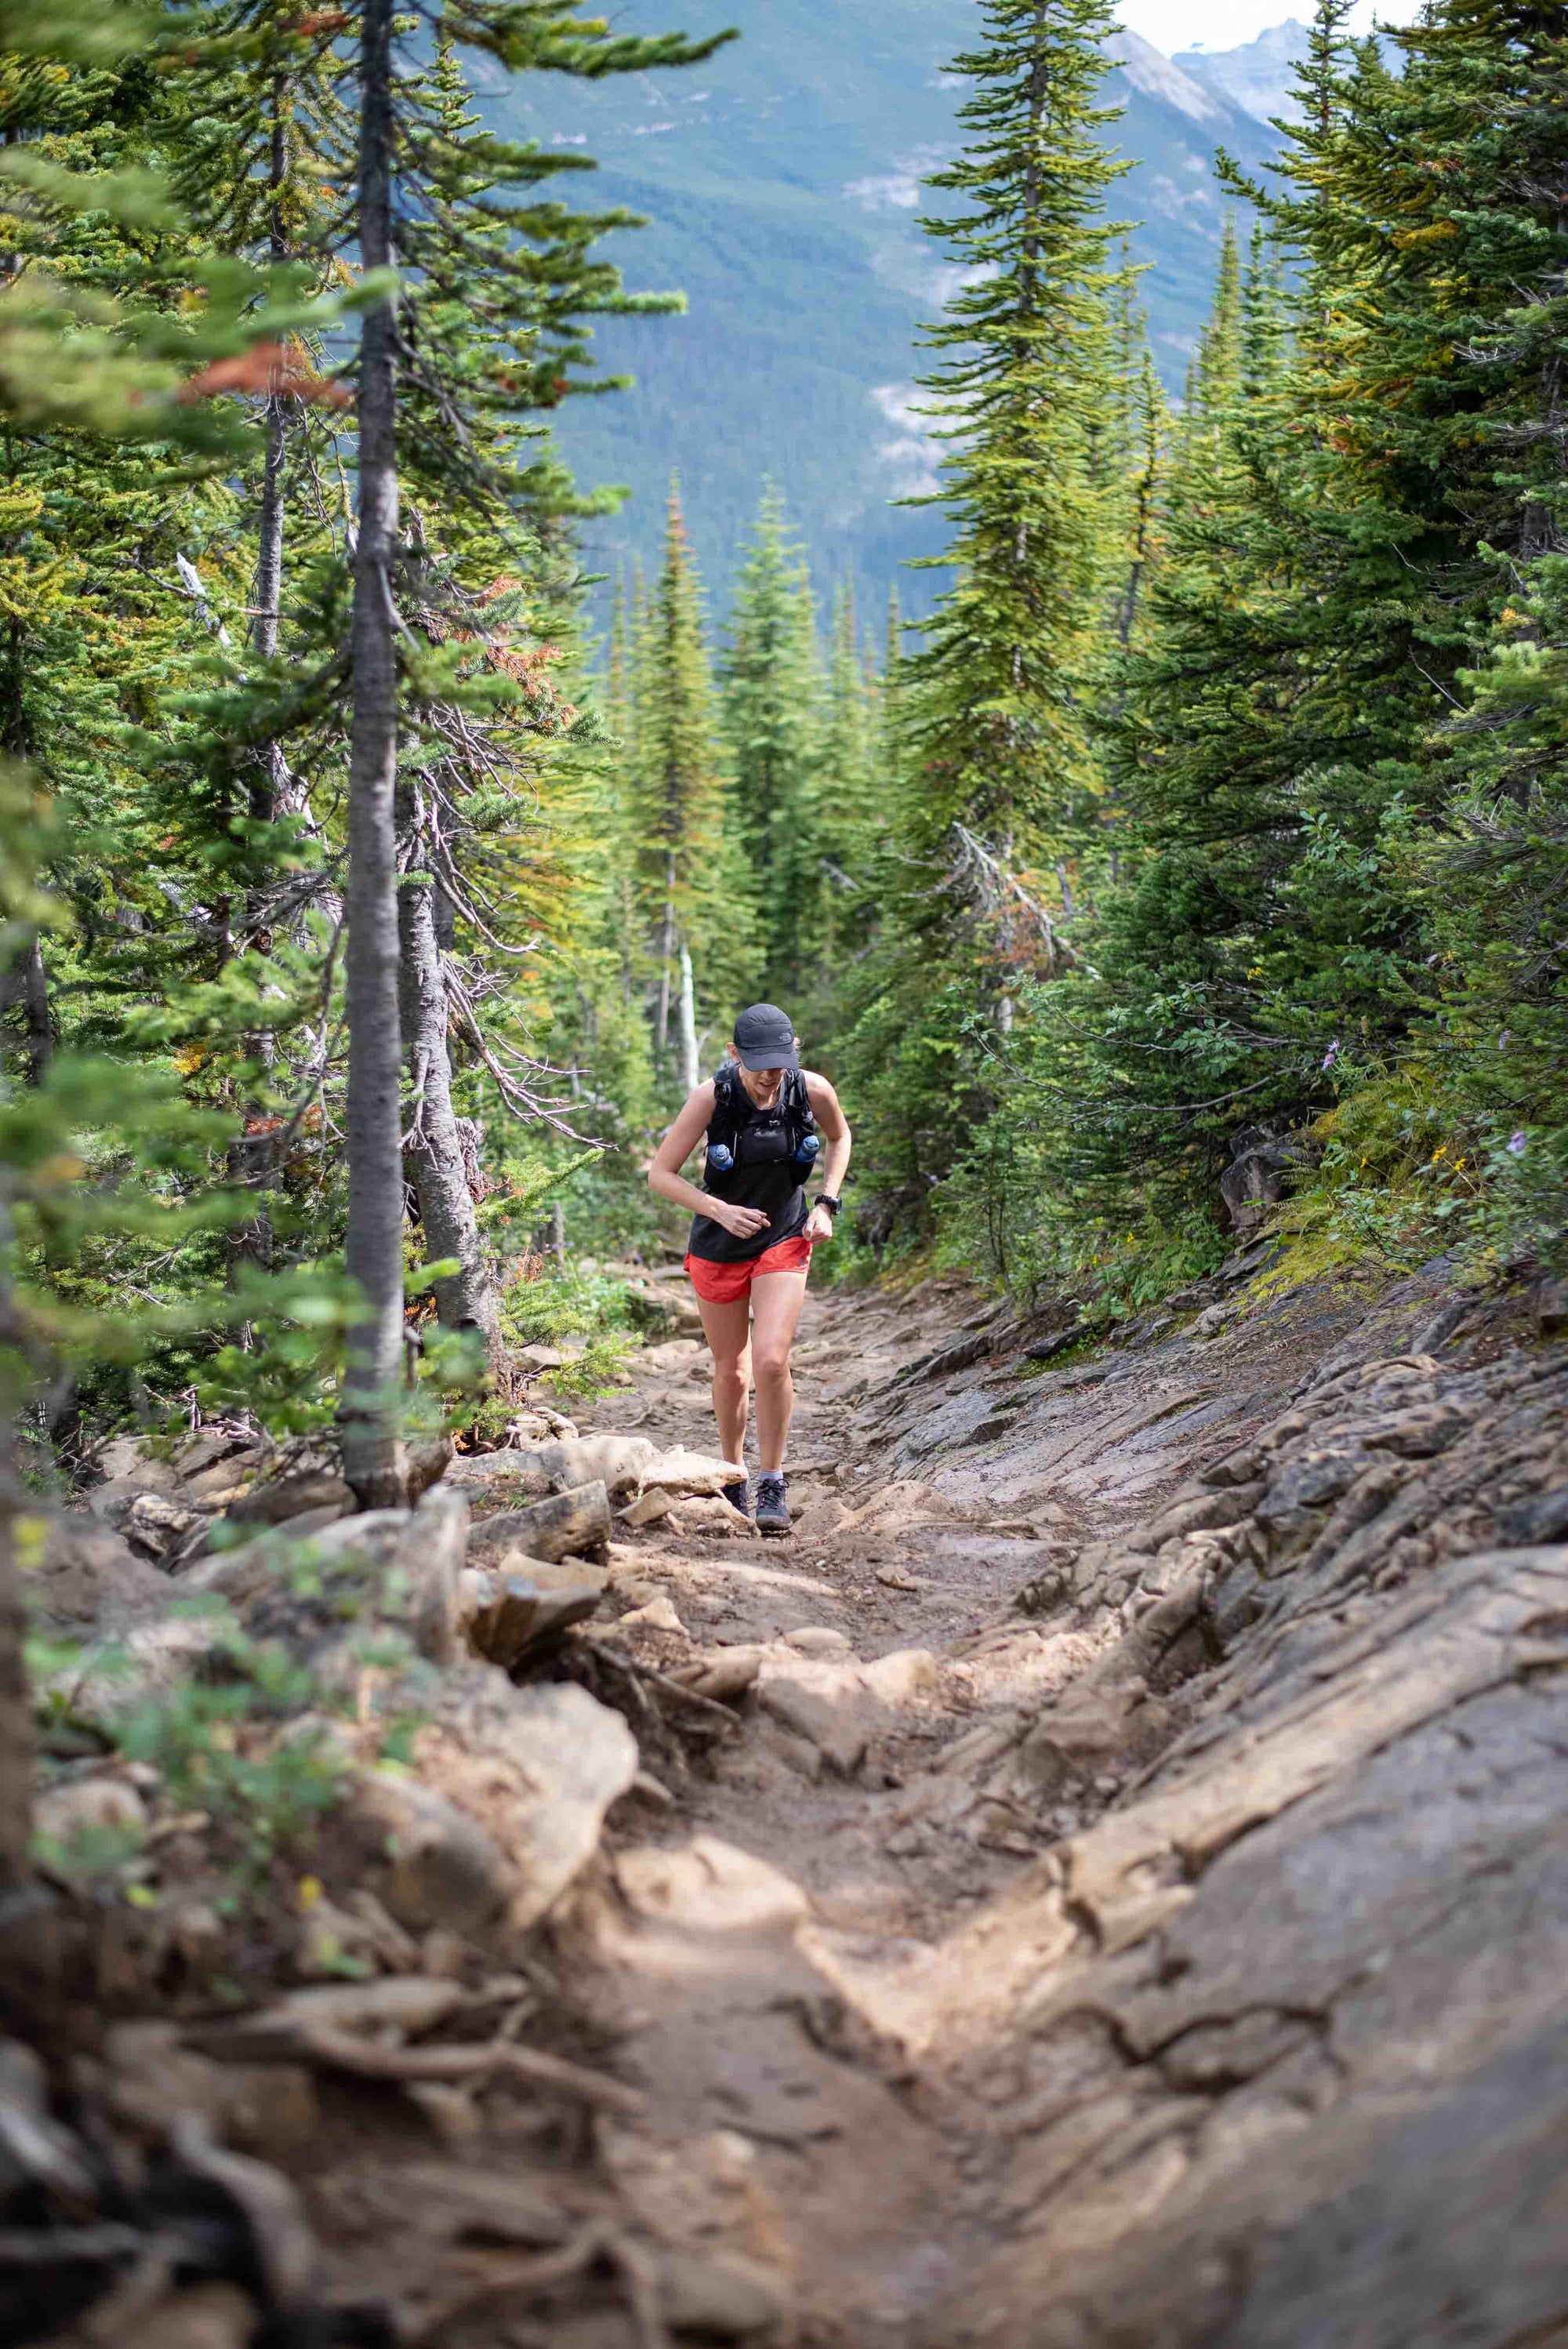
{"x":1173,"y":25}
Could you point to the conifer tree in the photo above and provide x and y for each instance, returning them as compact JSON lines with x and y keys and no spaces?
{"x":78,"y":363}
{"x":999,"y":762}
{"x":1484,"y":114}
{"x":425,"y":203}
{"x":695,"y":887}
{"x":769,"y":695}
{"x":1007,"y":673}
{"x":250,"y":122}
{"x":844,"y":820}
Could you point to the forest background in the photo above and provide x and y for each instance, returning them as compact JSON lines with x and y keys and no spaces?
{"x":366,"y":918}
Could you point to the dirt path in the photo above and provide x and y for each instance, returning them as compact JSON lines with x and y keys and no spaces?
{"x":768,"y":1946}
{"x":1102,"y":1881}
{"x":869,"y":1965}
{"x":724,"y":1932}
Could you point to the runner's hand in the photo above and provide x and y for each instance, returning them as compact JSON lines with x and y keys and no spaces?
{"x":818,"y":1224}
{"x":745,"y":1223}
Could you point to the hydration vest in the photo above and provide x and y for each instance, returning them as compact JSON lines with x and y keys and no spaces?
{"x":732,"y":1108}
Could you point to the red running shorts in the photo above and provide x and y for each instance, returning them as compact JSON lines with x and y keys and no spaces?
{"x":725,"y":1284}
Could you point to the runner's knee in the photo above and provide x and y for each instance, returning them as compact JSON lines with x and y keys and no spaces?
{"x":772,"y":1362}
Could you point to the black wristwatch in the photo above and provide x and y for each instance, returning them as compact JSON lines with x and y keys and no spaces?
{"x":826,"y":1199}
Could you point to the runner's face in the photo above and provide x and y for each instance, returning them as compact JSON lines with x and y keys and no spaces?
{"x":762,"y":1085}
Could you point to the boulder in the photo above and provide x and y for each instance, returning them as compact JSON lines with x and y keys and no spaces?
{"x":515,"y":1615}
{"x":264,"y":2109}
{"x":395,"y":1567}
{"x":721,"y":2294}
{"x":147,"y":1664}
{"x":818,"y":1640}
{"x":1255,"y":1178}
{"x":158,"y":1525}
{"x":658,"y":1614}
{"x":432,"y":1555}
{"x":823,"y":1703}
{"x":273,"y":1502}
{"x":556,"y":1759}
{"x":709,"y":1886}
{"x":688,"y":1513}
{"x":129,"y":1460}
{"x":839,"y":1707}
{"x":506,"y":1808}
{"x":1551,"y":1302}
{"x":428,"y":1862}
{"x":684,"y":1472}
{"x":568,"y":1524}
{"x":619,"y":1462}
{"x":723,"y":1673}
{"x":234,"y":1449}
{"x":87,"y":1579}
{"x":84,"y":1806}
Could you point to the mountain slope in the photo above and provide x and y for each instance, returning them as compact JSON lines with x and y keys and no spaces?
{"x":1259,"y":76}
{"x":782,"y":179}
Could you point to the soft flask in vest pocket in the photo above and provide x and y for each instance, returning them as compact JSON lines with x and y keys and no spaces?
{"x":805,"y":1151}
{"x":720,"y":1161}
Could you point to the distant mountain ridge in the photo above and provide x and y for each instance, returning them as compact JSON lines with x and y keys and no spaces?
{"x":783,"y":180}
{"x":1259,"y":77}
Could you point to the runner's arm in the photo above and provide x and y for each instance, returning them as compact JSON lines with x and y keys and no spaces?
{"x":665,"y":1179}
{"x":835,"y":1126}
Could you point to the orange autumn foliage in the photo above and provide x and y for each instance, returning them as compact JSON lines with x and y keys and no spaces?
{"x":274,"y":368}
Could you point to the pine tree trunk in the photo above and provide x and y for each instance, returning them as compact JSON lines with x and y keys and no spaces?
{"x":374,"y":1247}
{"x":36,"y":1008}
{"x":465,"y":1299}
{"x":267,"y":788}
{"x":15,"y":1763}
{"x":691,"y":1075}
{"x":666,"y":955}
{"x":253,"y":1160}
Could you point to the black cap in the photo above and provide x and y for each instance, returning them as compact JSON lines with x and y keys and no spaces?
{"x":765,"y":1039}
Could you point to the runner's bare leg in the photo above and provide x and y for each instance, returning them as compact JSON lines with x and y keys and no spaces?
{"x":776,"y":1301}
{"x":727,"y":1329}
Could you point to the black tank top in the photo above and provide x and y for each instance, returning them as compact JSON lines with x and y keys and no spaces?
{"x":764,"y":1175}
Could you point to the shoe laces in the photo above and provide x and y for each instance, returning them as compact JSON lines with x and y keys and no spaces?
{"x":771,"y":1485}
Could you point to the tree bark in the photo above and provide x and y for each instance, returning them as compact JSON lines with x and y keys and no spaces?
{"x":271,"y":774}
{"x":691,"y":1075}
{"x":27,"y":983}
{"x":374,"y":1247}
{"x":466,"y":1300}
{"x":253,"y":1160}
{"x":15,"y":1758}
{"x":667,"y":953}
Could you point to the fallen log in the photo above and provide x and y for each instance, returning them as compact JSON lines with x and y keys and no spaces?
{"x":566,"y":1525}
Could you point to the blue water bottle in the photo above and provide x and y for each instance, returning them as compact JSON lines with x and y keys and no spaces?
{"x":805,"y":1151}
{"x":720,"y":1160}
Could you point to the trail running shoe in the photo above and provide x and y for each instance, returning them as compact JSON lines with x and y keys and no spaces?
{"x":772,"y":1513}
{"x":738,"y":1496}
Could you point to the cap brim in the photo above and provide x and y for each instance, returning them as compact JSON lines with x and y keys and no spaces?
{"x":768,"y":1056}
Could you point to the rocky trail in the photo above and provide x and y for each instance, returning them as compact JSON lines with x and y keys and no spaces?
{"x":1103,"y":1881}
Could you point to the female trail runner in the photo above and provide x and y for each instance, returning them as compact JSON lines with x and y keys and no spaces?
{"x":753,"y":1232}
